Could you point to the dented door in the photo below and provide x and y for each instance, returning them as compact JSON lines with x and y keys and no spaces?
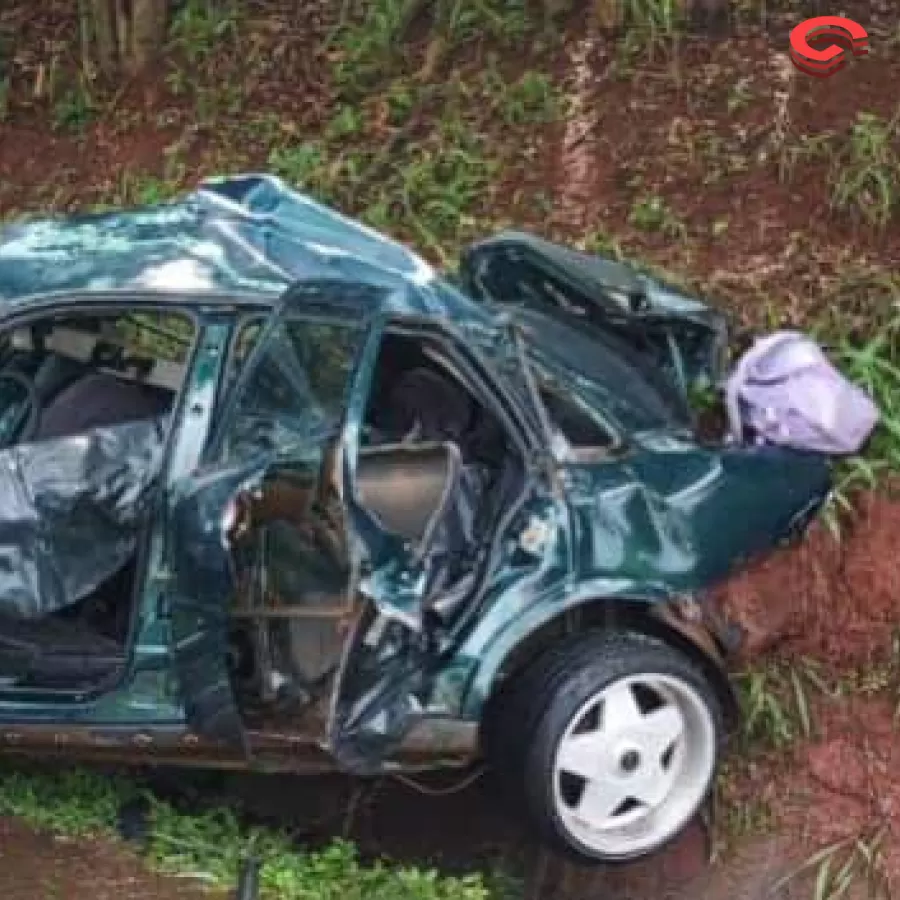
{"x":257,"y":531}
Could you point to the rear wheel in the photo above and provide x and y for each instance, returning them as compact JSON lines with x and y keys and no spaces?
{"x":614,"y":741}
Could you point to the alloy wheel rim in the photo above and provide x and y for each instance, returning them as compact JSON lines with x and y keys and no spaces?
{"x":634,"y":764}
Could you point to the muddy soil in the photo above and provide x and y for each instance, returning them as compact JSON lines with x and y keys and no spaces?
{"x":35,"y":866}
{"x":832,"y":598}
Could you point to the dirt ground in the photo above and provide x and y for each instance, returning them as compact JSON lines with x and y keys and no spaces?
{"x":708,"y":131}
{"x":44,"y":867}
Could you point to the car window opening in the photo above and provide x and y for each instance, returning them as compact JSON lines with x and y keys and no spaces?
{"x":85,"y":402}
{"x":424,"y":398}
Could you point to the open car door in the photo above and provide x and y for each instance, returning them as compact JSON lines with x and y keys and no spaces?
{"x":198,"y":605}
{"x":677,"y":334}
{"x":257,"y":538}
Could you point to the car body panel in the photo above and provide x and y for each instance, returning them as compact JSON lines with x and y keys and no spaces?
{"x":680,"y":335}
{"x":651,"y":530}
{"x":648,"y":522}
{"x":248,"y":234}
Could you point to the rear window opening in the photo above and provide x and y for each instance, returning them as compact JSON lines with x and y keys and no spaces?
{"x":86,"y":401}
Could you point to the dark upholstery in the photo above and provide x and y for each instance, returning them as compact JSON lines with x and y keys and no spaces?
{"x":97,"y":400}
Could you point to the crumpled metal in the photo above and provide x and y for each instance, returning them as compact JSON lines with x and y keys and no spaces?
{"x":70,"y":512}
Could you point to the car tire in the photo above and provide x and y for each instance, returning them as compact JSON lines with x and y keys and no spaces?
{"x":613,"y":741}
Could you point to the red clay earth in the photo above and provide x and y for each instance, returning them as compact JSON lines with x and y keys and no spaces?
{"x":36,"y":866}
{"x":828,"y":599}
{"x":839,"y":604}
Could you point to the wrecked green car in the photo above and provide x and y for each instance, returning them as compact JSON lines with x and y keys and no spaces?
{"x":277,"y":495}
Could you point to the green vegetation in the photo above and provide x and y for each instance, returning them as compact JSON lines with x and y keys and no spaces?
{"x":865,"y":174}
{"x":776,"y":707}
{"x":844,"y":865}
{"x":863,"y":166}
{"x":652,"y":213}
{"x":212,"y":845}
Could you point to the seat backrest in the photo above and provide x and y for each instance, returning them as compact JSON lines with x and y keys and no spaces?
{"x":409,"y":487}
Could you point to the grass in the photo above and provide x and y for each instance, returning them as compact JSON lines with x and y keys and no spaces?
{"x":863,"y":166}
{"x":200,"y":27}
{"x":652,"y":26}
{"x":841,"y":867}
{"x":865,"y":171}
{"x":776,"y":704}
{"x":212,"y":845}
{"x":369,"y":41}
{"x":872,"y":365}
{"x":533,"y":99}
{"x":738,"y":816}
{"x":651,"y":213}
{"x":74,"y":110}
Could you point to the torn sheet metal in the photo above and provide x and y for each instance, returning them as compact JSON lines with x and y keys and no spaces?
{"x":250,"y":233}
{"x":676,"y":333}
{"x":70,"y":511}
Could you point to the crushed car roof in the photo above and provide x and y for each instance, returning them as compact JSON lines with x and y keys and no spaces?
{"x":246,"y":233}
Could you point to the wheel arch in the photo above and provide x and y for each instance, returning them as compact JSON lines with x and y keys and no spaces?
{"x":666,"y":621}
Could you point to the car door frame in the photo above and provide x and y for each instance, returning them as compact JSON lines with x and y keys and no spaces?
{"x":116,"y":702}
{"x":199,"y":642}
{"x":526,"y":426}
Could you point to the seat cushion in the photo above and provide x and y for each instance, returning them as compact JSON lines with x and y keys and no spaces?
{"x":50,"y":649}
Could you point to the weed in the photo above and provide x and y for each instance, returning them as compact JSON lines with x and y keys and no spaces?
{"x":737,"y":815}
{"x":401,"y":99}
{"x":651,"y":213}
{"x":201,"y":26}
{"x":213,"y":103}
{"x":740,"y":94}
{"x":840,"y":866}
{"x":348,"y":121}
{"x":866,"y":171}
{"x":301,"y":164}
{"x":443,"y":181}
{"x":211,"y":845}
{"x":776,"y":709}
{"x":652,"y":25}
{"x":533,"y":99}
{"x":802,"y":149}
{"x":74,"y":109}
{"x":139,"y":189}
{"x":369,"y":45}
{"x":70,"y":802}
{"x":872,"y":366}
{"x":505,"y":21}
{"x":602,"y":243}
{"x":367,"y":49}
{"x":850,"y":477}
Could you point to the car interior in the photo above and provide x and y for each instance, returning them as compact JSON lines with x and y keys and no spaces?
{"x":429,"y":415}
{"x":63,"y":378}
{"x":437,"y":469}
